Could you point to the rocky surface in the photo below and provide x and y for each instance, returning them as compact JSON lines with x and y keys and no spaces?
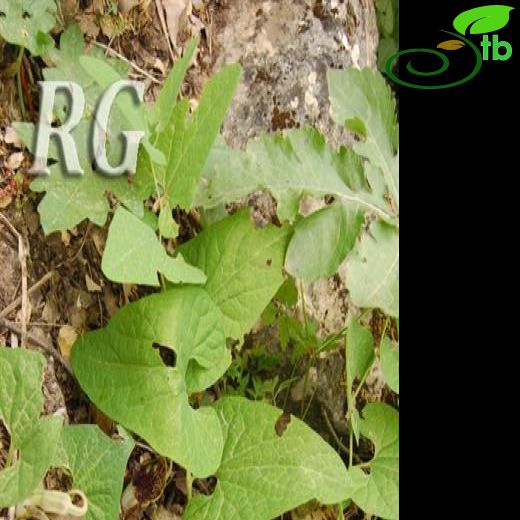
{"x":285,"y":48}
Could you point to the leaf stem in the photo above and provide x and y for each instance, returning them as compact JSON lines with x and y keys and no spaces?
{"x":350,"y":445}
{"x":19,"y":82}
{"x":189,"y":484}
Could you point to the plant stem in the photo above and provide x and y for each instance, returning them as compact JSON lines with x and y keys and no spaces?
{"x":305,"y":383}
{"x":350,"y":445}
{"x":189,"y":484}
{"x":304,"y":309}
{"x":19,"y":82}
{"x":350,"y":402}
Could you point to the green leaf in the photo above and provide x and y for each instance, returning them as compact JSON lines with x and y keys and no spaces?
{"x":21,"y":403}
{"x":187,"y":141}
{"x":133,"y":254}
{"x":387,"y":48}
{"x":390,"y":363}
{"x":481,"y":20}
{"x":322,"y":241}
{"x":162,"y":110}
{"x":263,"y":475}
{"x":167,"y":226}
{"x":377,"y":492}
{"x":385,"y":10}
{"x":27,"y":23}
{"x":70,"y":200}
{"x":355,"y":422}
{"x":97,"y":464}
{"x":105,"y":76}
{"x":363,"y":95}
{"x":288,"y":292}
{"x":243,"y":266}
{"x":289,"y":166}
{"x":127,"y":379}
{"x":373,"y":270}
{"x":360,"y":352}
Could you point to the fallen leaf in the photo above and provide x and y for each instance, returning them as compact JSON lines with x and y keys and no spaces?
{"x":11,"y":137}
{"x":92,"y":286}
{"x":14,"y":161}
{"x":5,"y":200}
{"x":125,"y":6}
{"x":99,"y":241}
{"x":451,"y":45}
{"x":65,"y":238}
{"x":177,"y":12}
{"x":88,"y":25}
{"x":66,"y":338}
{"x":69,"y":9}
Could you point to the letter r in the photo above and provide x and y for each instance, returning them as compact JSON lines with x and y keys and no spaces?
{"x":45,"y":130}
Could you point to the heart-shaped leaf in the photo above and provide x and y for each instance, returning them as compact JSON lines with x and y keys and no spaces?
{"x":451,"y":45}
{"x":243,"y":265}
{"x":266,"y":471}
{"x":481,"y":20}
{"x":377,"y":492}
{"x":28,"y":24}
{"x":97,"y":464}
{"x":134,"y":254}
{"x":36,"y":439}
{"x":128,"y":380}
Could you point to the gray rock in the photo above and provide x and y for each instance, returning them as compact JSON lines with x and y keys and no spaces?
{"x":285,"y":48}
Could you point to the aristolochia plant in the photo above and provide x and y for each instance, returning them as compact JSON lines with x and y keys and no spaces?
{"x":214,"y":288}
{"x":97,"y":464}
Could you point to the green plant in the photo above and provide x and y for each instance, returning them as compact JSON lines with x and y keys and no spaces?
{"x":388,"y":24}
{"x":219,"y":283}
{"x":96,"y":463}
{"x":27,"y":24}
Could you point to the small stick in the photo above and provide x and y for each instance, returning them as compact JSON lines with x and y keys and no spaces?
{"x":333,"y":432}
{"x":160,"y":11}
{"x":13,"y":305}
{"x":126,"y":60}
{"x":14,"y":327}
{"x":22,"y":256}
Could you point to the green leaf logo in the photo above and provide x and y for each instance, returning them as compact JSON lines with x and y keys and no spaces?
{"x":481,"y":20}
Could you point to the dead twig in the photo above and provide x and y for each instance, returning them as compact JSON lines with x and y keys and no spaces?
{"x":333,"y":432}
{"x":126,"y":60}
{"x":160,"y":11}
{"x":37,"y":342}
{"x":14,"y":304}
{"x":22,"y":258}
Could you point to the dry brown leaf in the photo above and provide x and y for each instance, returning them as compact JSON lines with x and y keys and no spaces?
{"x":99,"y":241}
{"x":92,"y":286}
{"x":5,"y":200}
{"x":88,"y":25}
{"x":177,"y":12}
{"x":111,"y":301}
{"x":69,"y":9}
{"x":104,"y":422}
{"x":14,"y":161}
{"x":313,"y":511}
{"x":65,"y":238}
{"x":11,"y":137}
{"x":451,"y":45}
{"x":50,"y":312}
{"x":66,"y":338}
{"x":125,"y":6}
